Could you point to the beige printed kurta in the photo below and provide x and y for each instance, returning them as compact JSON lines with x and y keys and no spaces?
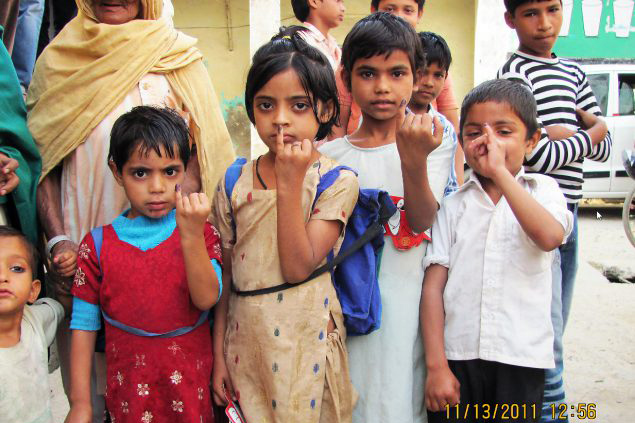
{"x":284,"y":365}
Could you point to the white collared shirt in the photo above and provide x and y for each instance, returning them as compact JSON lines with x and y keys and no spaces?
{"x":498,"y":295}
{"x":326,"y":44}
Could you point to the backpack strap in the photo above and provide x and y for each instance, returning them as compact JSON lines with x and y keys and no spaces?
{"x":98,"y":239}
{"x":232,"y":174}
{"x":140,"y":332}
{"x":326,"y":181}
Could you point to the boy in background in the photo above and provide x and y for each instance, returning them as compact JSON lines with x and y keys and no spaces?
{"x":564,"y":99}
{"x":429,"y":84}
{"x":319,"y":17}
{"x":26,"y":331}
{"x":485,"y":306}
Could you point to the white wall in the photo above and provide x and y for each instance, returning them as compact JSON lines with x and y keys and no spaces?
{"x":494,"y":41}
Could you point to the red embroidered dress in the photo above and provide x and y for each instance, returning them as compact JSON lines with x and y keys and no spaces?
{"x":150,"y":380}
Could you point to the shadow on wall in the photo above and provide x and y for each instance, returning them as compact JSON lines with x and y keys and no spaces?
{"x":238,"y":124}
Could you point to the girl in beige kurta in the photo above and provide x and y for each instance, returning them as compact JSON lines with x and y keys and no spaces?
{"x":284,"y":351}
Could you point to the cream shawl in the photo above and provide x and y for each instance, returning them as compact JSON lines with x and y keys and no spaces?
{"x":89,"y":68}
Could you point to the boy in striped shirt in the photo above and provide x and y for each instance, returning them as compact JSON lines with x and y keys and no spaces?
{"x":572,"y":132}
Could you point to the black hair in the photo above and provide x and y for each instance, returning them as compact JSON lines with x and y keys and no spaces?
{"x":375,"y":4}
{"x":436,"y":50}
{"x":33,"y":258}
{"x":512,"y":5}
{"x":288,"y":50}
{"x":380,"y":34}
{"x":149,"y":128}
{"x":301,"y":9}
{"x":503,"y":91}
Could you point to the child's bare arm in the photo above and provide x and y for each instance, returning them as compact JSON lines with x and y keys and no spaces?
{"x":543,"y":229}
{"x":301,"y":246}
{"x":220,"y":375}
{"x":592,"y":124}
{"x":346,"y":103}
{"x":441,"y":388}
{"x":415,"y":141}
{"x":559,"y":132}
{"x":191,"y":215}
{"x":82,"y":347}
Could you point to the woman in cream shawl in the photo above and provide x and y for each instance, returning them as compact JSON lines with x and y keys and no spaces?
{"x":116,"y":54}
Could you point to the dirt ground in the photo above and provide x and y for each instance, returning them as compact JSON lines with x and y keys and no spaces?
{"x":599,"y":340}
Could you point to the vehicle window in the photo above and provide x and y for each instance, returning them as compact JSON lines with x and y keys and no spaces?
{"x":626,"y":87}
{"x":600,"y":86}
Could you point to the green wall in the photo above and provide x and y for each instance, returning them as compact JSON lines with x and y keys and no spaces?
{"x":605,"y":45}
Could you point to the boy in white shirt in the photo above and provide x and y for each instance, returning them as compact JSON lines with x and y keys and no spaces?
{"x":485,"y":308}
{"x":26,"y":331}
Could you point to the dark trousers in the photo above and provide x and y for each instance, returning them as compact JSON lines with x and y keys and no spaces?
{"x":494,"y":392}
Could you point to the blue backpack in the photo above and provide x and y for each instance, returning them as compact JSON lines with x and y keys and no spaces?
{"x":355,"y":269}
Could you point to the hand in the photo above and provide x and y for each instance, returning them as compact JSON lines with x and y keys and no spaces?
{"x":221,"y":382}
{"x":487,"y":154}
{"x":442,"y":388}
{"x":559,"y":132}
{"x":586,"y":119}
{"x":292,"y":160}
{"x":61,"y":286}
{"x":9,"y":180}
{"x":80,"y":413}
{"x":594,"y":125}
{"x":416,"y":140}
{"x":191,"y":213}
{"x":64,"y":261}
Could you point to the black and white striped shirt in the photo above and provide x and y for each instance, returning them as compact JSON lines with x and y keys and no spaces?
{"x":560,"y":86}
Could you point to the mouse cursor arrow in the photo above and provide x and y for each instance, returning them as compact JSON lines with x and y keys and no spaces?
{"x":598,"y":216}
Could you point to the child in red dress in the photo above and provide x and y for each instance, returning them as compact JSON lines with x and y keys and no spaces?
{"x":154,"y":297}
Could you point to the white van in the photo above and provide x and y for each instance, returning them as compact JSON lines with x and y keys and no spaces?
{"x":614,"y":87}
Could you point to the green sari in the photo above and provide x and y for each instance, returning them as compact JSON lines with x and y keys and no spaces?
{"x":16,"y":142}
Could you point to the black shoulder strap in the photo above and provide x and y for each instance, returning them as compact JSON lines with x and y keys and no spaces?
{"x":371,"y":232}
